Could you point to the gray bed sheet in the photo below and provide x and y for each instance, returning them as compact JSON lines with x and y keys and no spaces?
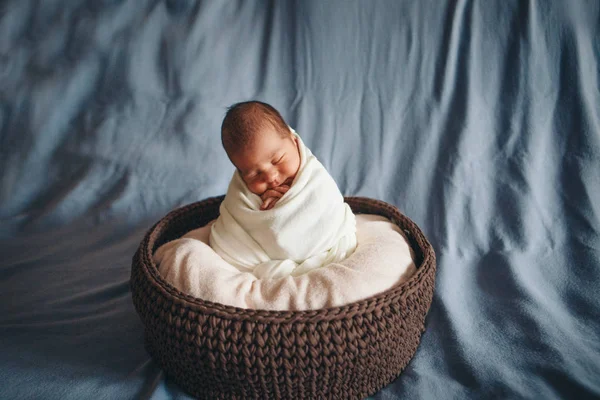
{"x":480,"y":120}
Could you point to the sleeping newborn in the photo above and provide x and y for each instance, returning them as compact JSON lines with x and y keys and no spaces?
{"x":283,"y":214}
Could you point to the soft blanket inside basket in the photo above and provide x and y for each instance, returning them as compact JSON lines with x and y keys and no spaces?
{"x":381,"y":260}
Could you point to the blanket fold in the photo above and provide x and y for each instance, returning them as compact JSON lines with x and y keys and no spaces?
{"x":310,"y":226}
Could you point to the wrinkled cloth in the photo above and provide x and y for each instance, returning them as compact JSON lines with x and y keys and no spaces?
{"x":479,"y":120}
{"x":381,"y":260}
{"x":310,"y":226}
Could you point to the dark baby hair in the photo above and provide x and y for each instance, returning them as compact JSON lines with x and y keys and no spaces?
{"x":243,"y":121}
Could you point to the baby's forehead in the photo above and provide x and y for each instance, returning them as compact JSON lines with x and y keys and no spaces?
{"x":267,"y":143}
{"x":264,"y":126}
{"x":261,"y":149}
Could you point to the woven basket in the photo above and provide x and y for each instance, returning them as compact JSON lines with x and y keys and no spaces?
{"x":214,"y":351}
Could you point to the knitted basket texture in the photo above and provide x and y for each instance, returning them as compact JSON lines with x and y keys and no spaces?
{"x":215,"y":351}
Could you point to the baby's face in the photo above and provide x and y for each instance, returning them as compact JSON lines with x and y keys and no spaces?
{"x":270,"y":161}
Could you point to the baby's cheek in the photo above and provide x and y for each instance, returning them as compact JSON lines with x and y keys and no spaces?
{"x":291,"y":170}
{"x":257,"y":188}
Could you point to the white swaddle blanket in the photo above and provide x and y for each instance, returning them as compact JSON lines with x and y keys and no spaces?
{"x":310,"y":226}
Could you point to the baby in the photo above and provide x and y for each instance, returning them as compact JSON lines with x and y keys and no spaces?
{"x":283,"y":214}
{"x":262,"y":148}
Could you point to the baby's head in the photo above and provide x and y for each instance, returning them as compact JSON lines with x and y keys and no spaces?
{"x":260,"y":145}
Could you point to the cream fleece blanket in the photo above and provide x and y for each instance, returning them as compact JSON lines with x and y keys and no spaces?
{"x":310,"y":226}
{"x":381,"y":260}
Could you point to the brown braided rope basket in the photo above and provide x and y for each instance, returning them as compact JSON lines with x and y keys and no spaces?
{"x":215,"y":351}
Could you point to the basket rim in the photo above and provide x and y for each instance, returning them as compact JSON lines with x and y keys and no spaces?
{"x":144,"y":260}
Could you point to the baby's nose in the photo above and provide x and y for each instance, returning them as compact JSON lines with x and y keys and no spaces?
{"x":271,"y":178}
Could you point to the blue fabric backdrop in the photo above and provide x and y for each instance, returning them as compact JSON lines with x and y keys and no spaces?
{"x":480,"y":120}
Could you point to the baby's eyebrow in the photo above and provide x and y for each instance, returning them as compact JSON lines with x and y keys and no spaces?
{"x":278,"y":154}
